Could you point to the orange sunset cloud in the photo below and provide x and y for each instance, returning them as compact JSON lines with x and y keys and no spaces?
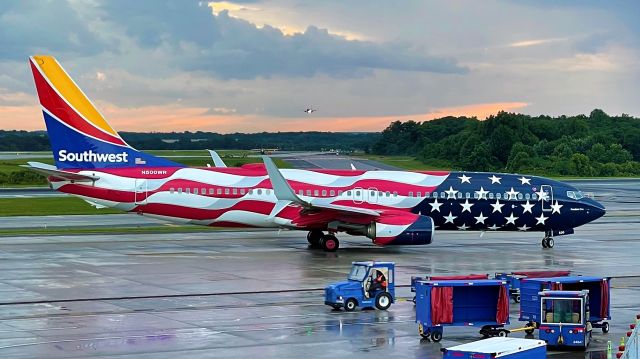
{"x":169,"y":118}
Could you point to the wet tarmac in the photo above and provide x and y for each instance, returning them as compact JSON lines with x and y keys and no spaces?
{"x":233,"y":294}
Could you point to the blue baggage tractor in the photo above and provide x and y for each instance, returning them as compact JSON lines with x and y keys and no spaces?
{"x":504,"y":348}
{"x":483,"y":303}
{"x":564,"y":321}
{"x":599,"y":297}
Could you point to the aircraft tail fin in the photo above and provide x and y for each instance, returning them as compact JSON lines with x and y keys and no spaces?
{"x":80,"y":136}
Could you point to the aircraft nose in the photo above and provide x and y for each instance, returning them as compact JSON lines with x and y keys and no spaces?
{"x":597,"y":210}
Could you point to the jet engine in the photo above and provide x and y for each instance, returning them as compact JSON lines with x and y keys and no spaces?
{"x":401,"y":228}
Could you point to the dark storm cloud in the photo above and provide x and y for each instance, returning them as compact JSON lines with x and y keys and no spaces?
{"x":29,"y":27}
{"x":229,"y":47}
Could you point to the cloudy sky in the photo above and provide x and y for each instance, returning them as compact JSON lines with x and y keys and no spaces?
{"x":248,"y":66}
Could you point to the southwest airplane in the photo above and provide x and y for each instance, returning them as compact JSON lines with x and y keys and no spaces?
{"x":93,"y":162}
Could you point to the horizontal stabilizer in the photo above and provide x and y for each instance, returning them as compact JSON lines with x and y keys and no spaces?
{"x":49,"y":170}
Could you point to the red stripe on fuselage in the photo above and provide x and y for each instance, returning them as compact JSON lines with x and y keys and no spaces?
{"x":50,"y":100}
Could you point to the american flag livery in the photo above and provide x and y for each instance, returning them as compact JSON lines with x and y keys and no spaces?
{"x":389,"y":207}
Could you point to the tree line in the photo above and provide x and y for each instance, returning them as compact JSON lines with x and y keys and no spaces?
{"x":594,"y":145}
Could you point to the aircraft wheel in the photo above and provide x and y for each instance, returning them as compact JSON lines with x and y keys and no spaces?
{"x":313,"y":237}
{"x":550,"y":242}
{"x":329,"y":243}
{"x":544,"y":242}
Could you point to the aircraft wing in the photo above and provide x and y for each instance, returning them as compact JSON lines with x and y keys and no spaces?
{"x":285,"y":195}
{"x":49,"y":170}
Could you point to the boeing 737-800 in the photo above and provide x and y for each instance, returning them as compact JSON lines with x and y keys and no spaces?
{"x":93,"y":162}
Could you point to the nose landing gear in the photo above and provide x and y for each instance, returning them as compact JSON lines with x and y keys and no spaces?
{"x":547,"y":242}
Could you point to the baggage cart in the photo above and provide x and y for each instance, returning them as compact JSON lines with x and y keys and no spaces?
{"x":483,"y":303}
{"x":514,"y":278}
{"x":504,"y":348}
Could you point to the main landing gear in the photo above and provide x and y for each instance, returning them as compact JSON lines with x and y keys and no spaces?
{"x":328,"y":242}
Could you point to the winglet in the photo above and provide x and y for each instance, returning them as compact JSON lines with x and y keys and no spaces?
{"x":281,"y":187}
{"x":353,"y":168}
{"x":217,"y":161}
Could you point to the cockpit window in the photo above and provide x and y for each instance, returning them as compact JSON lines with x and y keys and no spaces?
{"x":575,"y":194}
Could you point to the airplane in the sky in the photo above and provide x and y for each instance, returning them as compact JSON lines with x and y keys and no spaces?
{"x":93,"y":162}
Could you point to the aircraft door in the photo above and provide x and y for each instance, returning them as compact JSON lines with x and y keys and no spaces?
{"x":547,"y":197}
{"x":358,"y":195}
{"x":140,"y":191}
{"x":372,"y":195}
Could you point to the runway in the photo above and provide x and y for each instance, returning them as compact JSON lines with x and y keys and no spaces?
{"x":215,"y":279}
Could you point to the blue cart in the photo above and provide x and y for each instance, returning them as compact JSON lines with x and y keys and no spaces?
{"x":599,"y":297}
{"x":514,"y":278}
{"x":564,"y":321}
{"x":361,"y":288}
{"x":483,"y":303}
{"x":504,"y":348}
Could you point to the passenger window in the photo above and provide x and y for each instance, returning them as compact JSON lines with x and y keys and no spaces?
{"x":187,"y":190}
{"x":490,"y":195}
{"x":476,"y":196}
{"x":410,"y":194}
{"x":259,"y":192}
{"x":388,"y":194}
{"x":426,"y":194}
{"x":395,"y":194}
{"x":316,"y":193}
{"x":219,"y":191}
{"x":211,"y":191}
{"x":171,"y":190}
{"x":301,"y":192}
{"x":443,"y":195}
{"x":459,"y":194}
{"x":243,"y":191}
{"x":235,"y":191}
{"x":324,"y":193}
{"x":339,"y":193}
{"x":348,"y":193}
{"x":527,"y":196}
{"x":267,"y":192}
{"x":226,"y":191}
{"x":309,"y":192}
{"x":332,"y":193}
{"x":195,"y":191}
{"x":251,"y":191}
{"x":507,"y":197}
{"x":498,"y":195}
{"x":534,"y":196}
{"x":519,"y":195}
{"x":180,"y":190}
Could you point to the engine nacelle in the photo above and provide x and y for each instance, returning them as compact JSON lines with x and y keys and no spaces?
{"x":403,"y":228}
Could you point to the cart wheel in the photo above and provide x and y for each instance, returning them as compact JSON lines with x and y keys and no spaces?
{"x":503,"y":333}
{"x":605,"y":327}
{"x":422,"y":332}
{"x":517,"y":298}
{"x":414,"y":300}
{"x":383,"y":301}
{"x":436,"y":336}
{"x":529,"y":331}
{"x":350,"y":305}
